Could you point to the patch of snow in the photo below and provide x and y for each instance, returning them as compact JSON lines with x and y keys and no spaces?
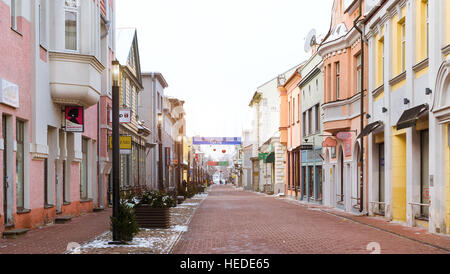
{"x":180,"y":228}
{"x":188,"y":204}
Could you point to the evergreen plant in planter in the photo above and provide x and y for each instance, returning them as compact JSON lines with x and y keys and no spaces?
{"x":152,"y":209}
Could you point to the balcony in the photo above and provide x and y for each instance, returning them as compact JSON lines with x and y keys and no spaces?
{"x":338,"y":115}
{"x":75,"y":79}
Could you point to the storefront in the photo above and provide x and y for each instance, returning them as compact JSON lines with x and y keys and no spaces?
{"x":311,"y":174}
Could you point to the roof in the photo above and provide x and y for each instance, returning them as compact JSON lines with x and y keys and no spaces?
{"x":124,"y":41}
{"x":158,"y":76}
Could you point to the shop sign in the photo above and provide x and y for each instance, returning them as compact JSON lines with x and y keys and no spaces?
{"x":346,"y":138}
{"x":124,"y":116}
{"x":9,"y":93}
{"x":262,"y":156}
{"x":74,"y":118}
{"x":329,"y":142}
{"x":125,"y":144}
{"x":306,"y":147}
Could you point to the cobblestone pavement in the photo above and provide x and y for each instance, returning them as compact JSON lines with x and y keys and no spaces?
{"x":237,"y":222}
{"x":54,"y":239}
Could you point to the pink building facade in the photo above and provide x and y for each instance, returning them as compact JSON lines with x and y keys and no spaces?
{"x":56,"y":56}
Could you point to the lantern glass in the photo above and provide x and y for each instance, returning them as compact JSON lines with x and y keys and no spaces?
{"x":115,"y":72}
{"x":160,"y":119}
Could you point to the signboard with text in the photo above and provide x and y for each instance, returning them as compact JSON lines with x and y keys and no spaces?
{"x":9,"y":93}
{"x":74,"y":117}
{"x":224,"y":141}
{"x":126,"y":144}
{"x":346,"y":138}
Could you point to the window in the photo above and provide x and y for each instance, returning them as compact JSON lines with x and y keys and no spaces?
{"x":380,"y":62}
{"x":84,"y":171}
{"x":20,"y":163}
{"x":71,"y":13}
{"x":317,"y":118}
{"x":290,"y":113}
{"x":304,"y":124}
{"x":338,"y":75}
{"x":13,"y":12}
{"x":403,"y":46}
{"x":317,"y":84}
{"x":124,"y":91}
{"x":358,"y":73}
{"x":427,"y":29}
{"x":42,"y":24}
{"x":293,"y":111}
{"x":310,"y":121}
{"x":299,"y":109}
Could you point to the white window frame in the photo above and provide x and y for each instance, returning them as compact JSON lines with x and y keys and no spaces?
{"x":76,"y":9}
{"x":403,"y":46}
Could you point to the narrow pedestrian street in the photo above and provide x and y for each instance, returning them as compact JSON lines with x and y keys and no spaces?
{"x":230,"y":221}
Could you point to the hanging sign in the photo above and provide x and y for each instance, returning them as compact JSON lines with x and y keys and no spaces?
{"x":74,"y":118}
{"x":124,"y":116}
{"x":217,"y":141}
{"x":329,"y":142}
{"x":346,"y":138}
{"x":262,"y":156}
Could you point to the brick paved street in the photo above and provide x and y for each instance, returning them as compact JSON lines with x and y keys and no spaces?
{"x":238,"y":222}
{"x":54,"y":239}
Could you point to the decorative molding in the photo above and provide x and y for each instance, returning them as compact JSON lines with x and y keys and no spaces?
{"x":397,"y":79}
{"x":421,"y":65}
{"x":377,"y":91}
{"x":79,"y":58}
{"x":446,"y":50}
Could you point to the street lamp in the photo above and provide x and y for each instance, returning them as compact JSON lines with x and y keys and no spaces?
{"x":160,"y":169}
{"x":116,"y":148}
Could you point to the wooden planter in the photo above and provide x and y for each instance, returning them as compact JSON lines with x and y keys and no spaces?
{"x":148,"y":217}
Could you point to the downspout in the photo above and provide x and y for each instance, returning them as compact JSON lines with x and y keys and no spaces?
{"x":355,"y":24}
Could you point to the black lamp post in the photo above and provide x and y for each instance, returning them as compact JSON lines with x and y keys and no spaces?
{"x":116,"y":148}
{"x":180,"y":153}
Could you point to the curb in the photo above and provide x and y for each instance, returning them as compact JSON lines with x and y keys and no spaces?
{"x":187,"y":224}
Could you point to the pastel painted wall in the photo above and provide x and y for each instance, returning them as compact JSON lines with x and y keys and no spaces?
{"x":399,"y":177}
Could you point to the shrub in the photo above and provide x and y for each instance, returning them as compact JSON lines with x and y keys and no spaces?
{"x":126,"y":222}
{"x":154,"y":199}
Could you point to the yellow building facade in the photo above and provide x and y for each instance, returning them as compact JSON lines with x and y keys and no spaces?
{"x":409,"y":83}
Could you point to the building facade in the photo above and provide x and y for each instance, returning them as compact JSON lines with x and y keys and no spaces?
{"x":268,"y":157}
{"x":311,"y":136}
{"x":150,"y":105}
{"x":54,"y":78}
{"x":409,"y":44}
{"x":342,"y":65}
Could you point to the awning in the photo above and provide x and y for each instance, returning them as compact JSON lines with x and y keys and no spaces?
{"x":410,"y":116}
{"x":370,"y":128}
{"x":270,"y":159}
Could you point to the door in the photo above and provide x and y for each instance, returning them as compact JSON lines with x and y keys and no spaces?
{"x":7,"y":209}
{"x":255,"y":175}
{"x":425,"y":174}
{"x":381,"y":180}
{"x":341,"y":176}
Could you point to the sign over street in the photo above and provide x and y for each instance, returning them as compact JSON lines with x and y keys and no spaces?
{"x":225,"y":141}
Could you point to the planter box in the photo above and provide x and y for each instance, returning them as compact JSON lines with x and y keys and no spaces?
{"x":147,"y":217}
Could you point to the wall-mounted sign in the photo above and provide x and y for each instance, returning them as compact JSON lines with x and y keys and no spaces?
{"x":74,"y":117}
{"x":306,"y":147}
{"x":126,"y":144}
{"x":329,"y":142}
{"x":9,"y":93}
{"x":124,"y":116}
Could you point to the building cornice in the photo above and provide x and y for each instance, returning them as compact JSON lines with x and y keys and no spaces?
{"x":341,"y":44}
{"x":75,"y":57}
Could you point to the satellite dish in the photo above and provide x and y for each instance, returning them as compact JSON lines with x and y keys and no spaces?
{"x":310,"y":40}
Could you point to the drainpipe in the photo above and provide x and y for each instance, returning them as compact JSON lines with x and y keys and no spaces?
{"x":355,"y":24}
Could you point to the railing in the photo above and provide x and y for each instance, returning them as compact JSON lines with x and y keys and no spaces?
{"x":421,"y":205}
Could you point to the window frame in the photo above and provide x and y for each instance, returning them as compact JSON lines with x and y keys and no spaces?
{"x":72,"y":9}
{"x":403,"y":46}
{"x":20,"y":140}
{"x":338,"y":80}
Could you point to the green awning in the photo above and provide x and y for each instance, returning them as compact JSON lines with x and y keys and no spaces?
{"x":270,"y":159}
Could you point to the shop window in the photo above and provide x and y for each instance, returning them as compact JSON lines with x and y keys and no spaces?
{"x":46,"y":182}
{"x":381,"y":179}
{"x":311,"y":182}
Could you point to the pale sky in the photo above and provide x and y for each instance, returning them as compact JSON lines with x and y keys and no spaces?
{"x":214,"y":54}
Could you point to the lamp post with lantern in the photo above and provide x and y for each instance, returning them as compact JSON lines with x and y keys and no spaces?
{"x":116,"y":148}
